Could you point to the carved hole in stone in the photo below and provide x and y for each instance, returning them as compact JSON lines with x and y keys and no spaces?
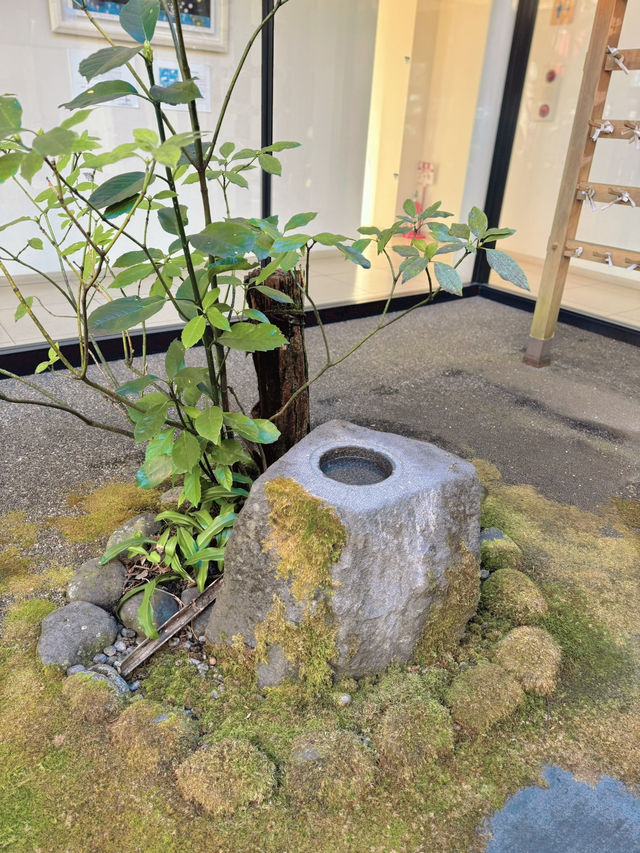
{"x":355,"y":466}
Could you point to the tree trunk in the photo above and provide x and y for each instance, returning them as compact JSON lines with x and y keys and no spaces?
{"x":281,"y":372}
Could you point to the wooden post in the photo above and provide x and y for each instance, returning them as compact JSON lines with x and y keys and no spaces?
{"x":593,"y":91}
{"x":281,"y":372}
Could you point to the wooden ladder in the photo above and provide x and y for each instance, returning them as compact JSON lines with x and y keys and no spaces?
{"x":589,"y":128}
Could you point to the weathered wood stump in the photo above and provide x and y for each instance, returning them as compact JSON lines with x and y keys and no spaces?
{"x":283,"y":371}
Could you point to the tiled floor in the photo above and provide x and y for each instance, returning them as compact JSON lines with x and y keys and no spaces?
{"x":335,"y":281}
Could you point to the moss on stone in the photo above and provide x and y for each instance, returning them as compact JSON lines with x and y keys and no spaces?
{"x":104,"y":509}
{"x":22,"y":622}
{"x":328,"y":769}
{"x":150,"y":739}
{"x":532,"y":657}
{"x":226,"y":776}
{"x":447,"y":619}
{"x":482,"y":696}
{"x":310,"y":646}
{"x":510,"y":594}
{"x":499,"y":554}
{"x":413,"y":736}
{"x":91,"y":698}
{"x":307,"y":536}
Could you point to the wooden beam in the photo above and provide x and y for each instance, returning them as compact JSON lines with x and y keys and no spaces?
{"x":590,"y":107}
{"x":596,"y":252}
{"x":178,"y":621}
{"x":609,"y":193}
{"x":629,"y":58}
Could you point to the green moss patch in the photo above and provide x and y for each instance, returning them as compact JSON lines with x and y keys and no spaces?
{"x":413,"y":736}
{"x":226,"y":776}
{"x":482,"y":696}
{"x":104,"y":509}
{"x":532,"y":657}
{"x":511,"y":595}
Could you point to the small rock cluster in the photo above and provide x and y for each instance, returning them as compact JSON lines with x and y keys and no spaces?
{"x":85,"y":638}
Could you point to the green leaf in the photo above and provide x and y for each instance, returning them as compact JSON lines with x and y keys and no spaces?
{"x":21,"y":310}
{"x":131,"y":275}
{"x":174,"y":359}
{"x":327,"y":239}
{"x":507,"y":268}
{"x":139,"y":18}
{"x":209,"y":424}
{"x":136,"y":257}
{"x":253,"y":337}
{"x":227,"y":148}
{"x":124,"y":313}
{"x":290,"y":243}
{"x":410,"y":208}
{"x":120,"y":207}
{"x":229,"y":452}
{"x":71,"y":121}
{"x":193,"y":331}
{"x":228,"y":239}
{"x":185,"y":453}
{"x":31,"y":165}
{"x":448,"y":278}
{"x":160,"y":445}
{"x":145,"y":137}
{"x":206,"y":554}
{"x":238,"y":180}
{"x":115,"y":550}
{"x":154,"y":471}
{"x":412,"y":267}
{"x":150,"y":422}
{"x":116,"y":189}
{"x":10,"y":116}
{"x":9,"y":165}
{"x":281,"y":146}
{"x":100,"y":93}
{"x":217,"y":319}
{"x":277,"y":295}
{"x":35,"y":243}
{"x":353,"y":255}
{"x":497,"y":234}
{"x":299,"y":220}
{"x":258,"y":430}
{"x":169,"y":221}
{"x":136,"y":386}
{"x":182,"y":92}
{"x":270,"y":164}
{"x":192,"y":489}
{"x":406,"y":251}
{"x":478,"y":222}
{"x":460,"y":229}
{"x":106,"y":60}
{"x":168,"y":154}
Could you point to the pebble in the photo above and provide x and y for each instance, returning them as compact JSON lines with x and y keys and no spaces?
{"x":484,"y":574}
{"x":203,"y":667}
{"x":214,"y":694}
{"x":202,"y":639}
{"x":195,"y":661}
{"x":161,"y":718}
{"x":188,"y":644}
{"x":100,"y":658}
{"x":110,"y":651}
{"x":120,"y":646}
{"x":72,"y":670}
{"x":345,"y":699}
{"x":127,"y":632}
{"x":213,"y":661}
{"x":135,"y":685}
{"x":174,"y":642}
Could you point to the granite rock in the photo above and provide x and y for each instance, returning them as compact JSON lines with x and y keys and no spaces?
{"x":163,"y":605}
{"x":98,"y":584}
{"x":144,"y":524}
{"x":407,"y":538}
{"x":75,"y":633}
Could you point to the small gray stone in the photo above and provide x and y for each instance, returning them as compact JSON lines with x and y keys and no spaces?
{"x":275,"y":670}
{"x":128,"y":633}
{"x":101,"y":585}
{"x":135,"y":685}
{"x":112,"y":676}
{"x":169,"y":499}
{"x":214,"y":694}
{"x":484,"y":574}
{"x":200,"y":622}
{"x":110,"y":651}
{"x":161,"y":718}
{"x":144,"y":524}
{"x":173,"y":642}
{"x":100,"y":658}
{"x":78,"y":667}
{"x":120,"y":646}
{"x":163,"y":605}
{"x":345,"y":699}
{"x":75,"y":633}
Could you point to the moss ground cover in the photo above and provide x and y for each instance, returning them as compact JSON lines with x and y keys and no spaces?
{"x":69,"y":784}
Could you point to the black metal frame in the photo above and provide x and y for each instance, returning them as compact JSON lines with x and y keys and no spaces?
{"x":268,"y":40}
{"x":507,"y":123}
